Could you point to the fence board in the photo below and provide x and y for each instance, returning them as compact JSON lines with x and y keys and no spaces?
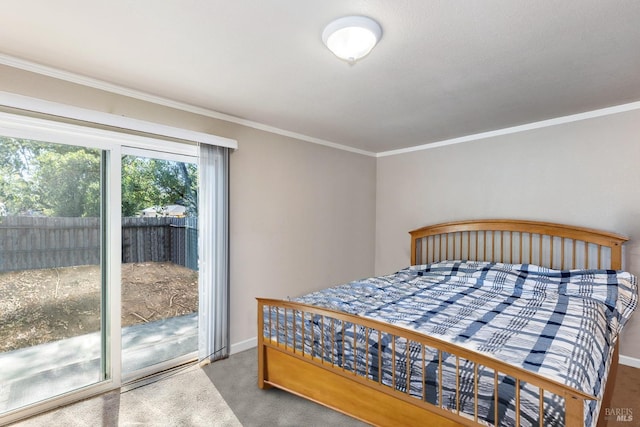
{"x":43,"y":242}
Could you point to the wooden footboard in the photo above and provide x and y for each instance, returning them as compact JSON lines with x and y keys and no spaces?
{"x":295,"y":355}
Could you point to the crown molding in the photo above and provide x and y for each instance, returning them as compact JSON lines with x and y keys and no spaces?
{"x":143,"y":96}
{"x":517,"y":129}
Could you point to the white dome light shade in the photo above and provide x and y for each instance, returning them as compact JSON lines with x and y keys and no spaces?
{"x":352,"y":37}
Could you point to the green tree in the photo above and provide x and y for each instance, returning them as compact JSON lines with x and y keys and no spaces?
{"x":157,"y":183}
{"x":49,"y":179}
{"x":17,"y":164}
{"x":68,"y":183}
{"x":63,"y":180}
{"x":138,"y":189}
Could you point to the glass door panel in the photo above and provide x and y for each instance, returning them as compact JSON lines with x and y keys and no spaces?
{"x":51,"y":270}
{"x":159,"y":263}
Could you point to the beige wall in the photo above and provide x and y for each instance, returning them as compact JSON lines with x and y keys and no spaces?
{"x":302,"y":219}
{"x":302,"y":215}
{"x":583,"y":173}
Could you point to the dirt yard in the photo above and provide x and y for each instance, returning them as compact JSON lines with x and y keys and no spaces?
{"x":38,"y":306}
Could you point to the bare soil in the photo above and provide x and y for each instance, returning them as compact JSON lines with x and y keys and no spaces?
{"x":39,"y":306}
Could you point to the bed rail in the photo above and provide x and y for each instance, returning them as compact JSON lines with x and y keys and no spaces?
{"x":296,"y":355}
{"x":518,"y":241}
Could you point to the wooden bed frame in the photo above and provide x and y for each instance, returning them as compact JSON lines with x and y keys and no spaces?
{"x":303,"y":373}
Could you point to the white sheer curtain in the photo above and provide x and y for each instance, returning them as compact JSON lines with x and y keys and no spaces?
{"x":213,"y":238}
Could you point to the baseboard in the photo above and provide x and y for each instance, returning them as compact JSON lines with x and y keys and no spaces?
{"x":244,"y":345}
{"x":630,"y":361}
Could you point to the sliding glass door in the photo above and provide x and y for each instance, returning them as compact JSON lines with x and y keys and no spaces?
{"x":159,"y":261}
{"x":101,"y":270}
{"x":55,"y":281}
{"x":52,"y":275}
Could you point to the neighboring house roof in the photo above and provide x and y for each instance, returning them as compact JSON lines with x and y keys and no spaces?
{"x":169,"y":210}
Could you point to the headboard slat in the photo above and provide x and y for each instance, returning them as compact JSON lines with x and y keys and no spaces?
{"x":552,"y":240}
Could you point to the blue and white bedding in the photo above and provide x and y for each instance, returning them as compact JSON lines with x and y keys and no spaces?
{"x":561,"y":324}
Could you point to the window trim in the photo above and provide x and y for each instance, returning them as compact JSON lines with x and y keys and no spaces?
{"x":26,"y":103}
{"x":19,"y":126}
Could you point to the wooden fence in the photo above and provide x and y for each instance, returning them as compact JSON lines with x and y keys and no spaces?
{"x":40,"y":242}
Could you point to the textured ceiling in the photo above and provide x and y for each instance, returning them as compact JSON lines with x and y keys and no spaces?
{"x":442,"y":70}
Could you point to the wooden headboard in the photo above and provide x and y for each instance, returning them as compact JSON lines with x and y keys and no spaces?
{"x":517,"y":241}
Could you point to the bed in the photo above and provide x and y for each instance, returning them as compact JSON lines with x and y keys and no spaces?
{"x":495,"y":322}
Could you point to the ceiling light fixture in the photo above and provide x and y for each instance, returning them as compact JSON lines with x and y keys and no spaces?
{"x":351,"y":37}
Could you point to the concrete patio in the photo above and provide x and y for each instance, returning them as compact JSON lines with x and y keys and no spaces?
{"x":36,"y":373}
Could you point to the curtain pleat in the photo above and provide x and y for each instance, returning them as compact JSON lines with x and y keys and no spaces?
{"x":213,"y":320}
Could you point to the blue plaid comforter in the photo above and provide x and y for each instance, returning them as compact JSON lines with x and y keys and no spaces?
{"x":561,"y":324}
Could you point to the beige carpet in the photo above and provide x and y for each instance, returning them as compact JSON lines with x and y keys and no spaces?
{"x":167,"y":402}
{"x":171,"y":402}
{"x":625,"y":402}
